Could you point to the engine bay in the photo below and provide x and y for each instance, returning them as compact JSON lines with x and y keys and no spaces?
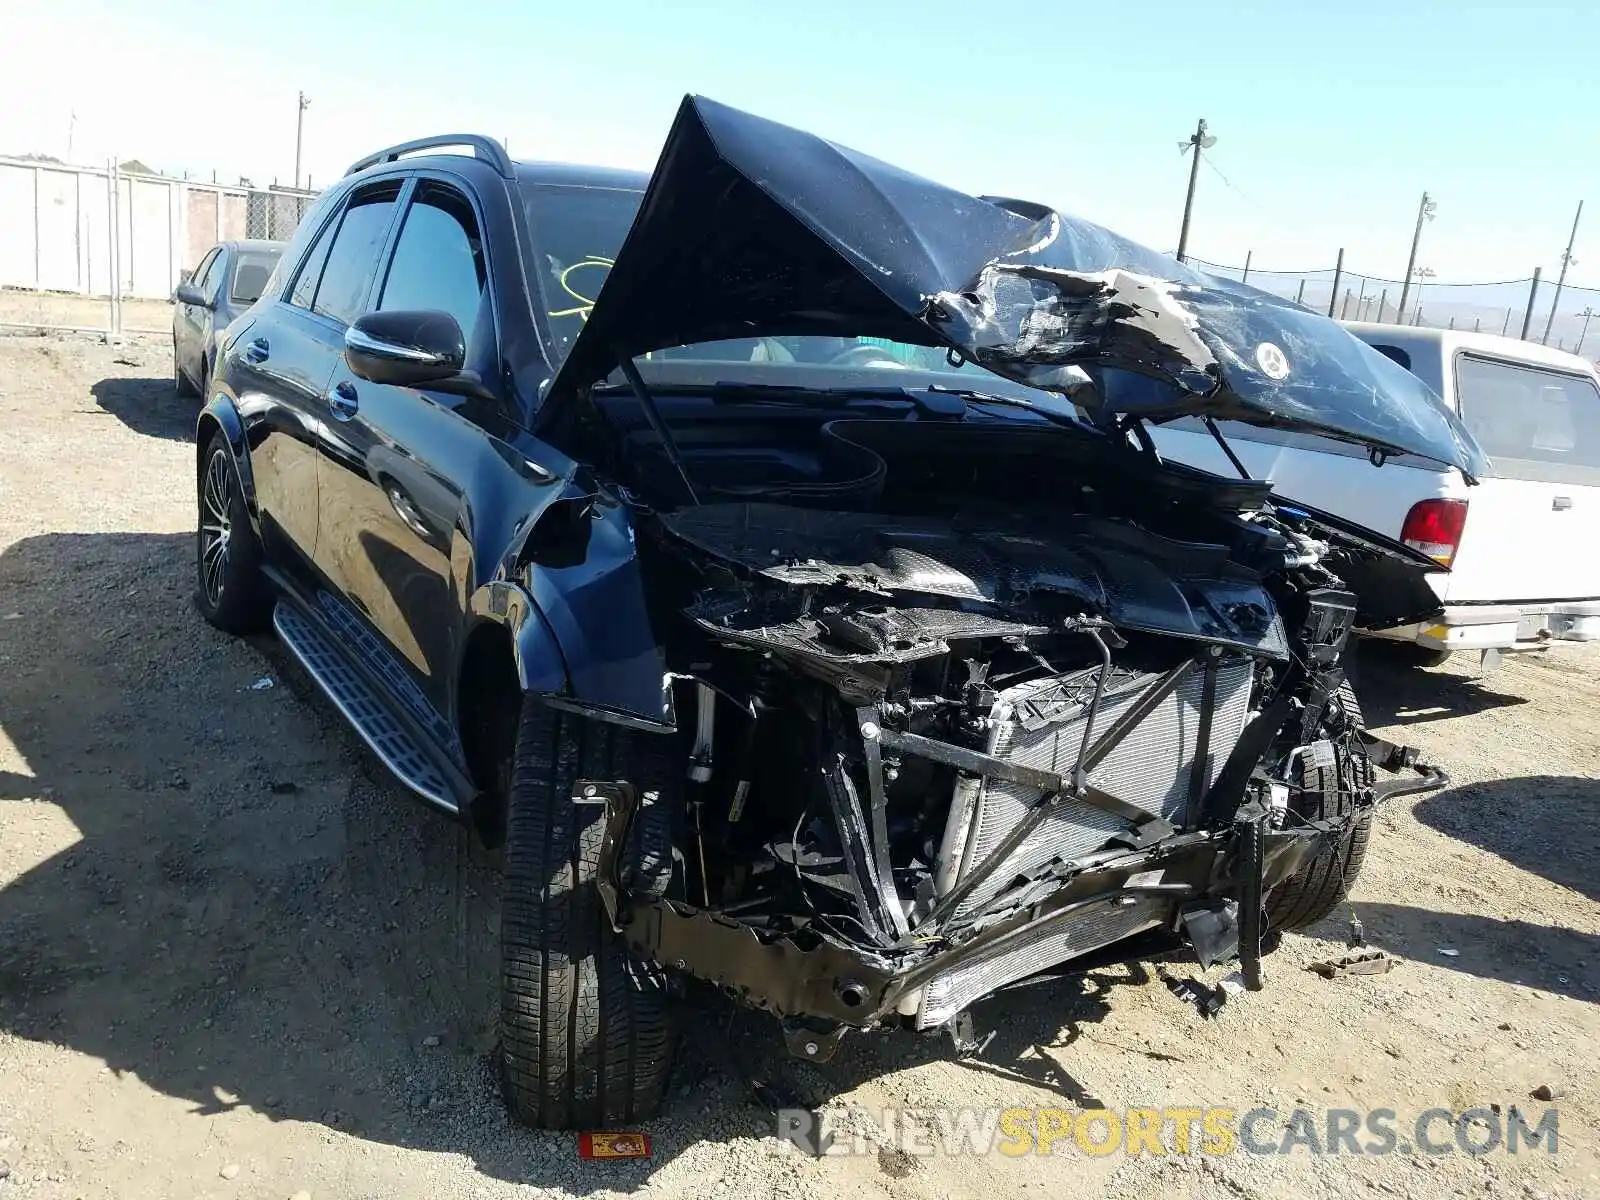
{"x":990,"y":697}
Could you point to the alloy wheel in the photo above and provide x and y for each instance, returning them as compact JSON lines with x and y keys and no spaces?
{"x":216,"y":528}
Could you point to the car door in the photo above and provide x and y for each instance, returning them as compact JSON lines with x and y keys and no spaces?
{"x":189,"y":320}
{"x":283,"y":360}
{"x":391,"y":505}
{"x":1533,"y":522}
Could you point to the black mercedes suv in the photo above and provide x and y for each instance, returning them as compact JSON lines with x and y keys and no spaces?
{"x":769,"y":561}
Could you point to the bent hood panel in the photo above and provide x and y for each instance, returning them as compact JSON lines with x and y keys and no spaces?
{"x":752,"y":228}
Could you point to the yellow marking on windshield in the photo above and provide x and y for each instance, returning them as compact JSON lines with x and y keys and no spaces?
{"x":585,"y":304}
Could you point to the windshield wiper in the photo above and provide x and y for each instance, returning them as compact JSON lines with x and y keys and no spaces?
{"x":977,"y":397}
{"x":929,"y":399}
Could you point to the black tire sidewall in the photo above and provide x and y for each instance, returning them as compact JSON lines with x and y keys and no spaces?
{"x":564,"y":970}
{"x":245,"y":602}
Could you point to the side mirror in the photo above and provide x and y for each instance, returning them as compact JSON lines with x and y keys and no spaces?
{"x":408,"y":349}
{"x":187,"y":293}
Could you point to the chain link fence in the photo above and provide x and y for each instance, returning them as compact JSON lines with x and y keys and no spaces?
{"x":275,"y":213}
{"x":1514,"y":307}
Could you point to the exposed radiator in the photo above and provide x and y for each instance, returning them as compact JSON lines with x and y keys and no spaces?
{"x":1075,"y":932}
{"x":1040,"y":724}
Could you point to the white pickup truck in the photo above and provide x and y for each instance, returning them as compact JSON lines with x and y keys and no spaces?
{"x":1522,"y":546}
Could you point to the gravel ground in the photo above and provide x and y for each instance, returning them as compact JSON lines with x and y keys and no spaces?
{"x":18,"y":306}
{"x":237,"y":961}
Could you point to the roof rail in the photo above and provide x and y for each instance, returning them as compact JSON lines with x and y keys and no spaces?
{"x":485,"y":148}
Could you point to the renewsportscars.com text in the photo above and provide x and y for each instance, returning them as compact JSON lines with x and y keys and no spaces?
{"x":1170,"y":1130}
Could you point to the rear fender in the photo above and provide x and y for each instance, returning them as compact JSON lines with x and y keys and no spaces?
{"x":222,"y":414}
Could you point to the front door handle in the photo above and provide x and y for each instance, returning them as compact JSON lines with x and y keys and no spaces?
{"x":257,"y":351}
{"x":1561,"y":503}
{"x":343,"y":401}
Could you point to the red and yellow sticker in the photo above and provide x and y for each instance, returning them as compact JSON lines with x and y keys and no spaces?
{"x":614,"y":1145}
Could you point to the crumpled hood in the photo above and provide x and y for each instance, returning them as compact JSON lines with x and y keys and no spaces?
{"x":751,"y":228}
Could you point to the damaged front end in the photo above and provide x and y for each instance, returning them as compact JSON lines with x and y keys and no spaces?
{"x":976,"y":696}
{"x":933,"y":760}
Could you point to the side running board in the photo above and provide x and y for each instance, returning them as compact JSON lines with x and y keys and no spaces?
{"x":401,"y":751}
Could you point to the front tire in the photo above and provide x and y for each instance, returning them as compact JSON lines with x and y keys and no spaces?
{"x":1321,"y":884}
{"x":231,"y":592}
{"x":586,"y":1036}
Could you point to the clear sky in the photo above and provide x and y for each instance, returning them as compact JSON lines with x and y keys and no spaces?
{"x":1331,"y":117}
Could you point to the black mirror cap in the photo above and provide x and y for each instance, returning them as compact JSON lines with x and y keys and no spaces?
{"x":406,"y":348}
{"x":187,"y":293}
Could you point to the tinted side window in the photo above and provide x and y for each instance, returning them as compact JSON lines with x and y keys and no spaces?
{"x":305,"y":284}
{"x":250,"y":275}
{"x":438,"y":258}
{"x":1394,"y":352}
{"x":354,"y":255}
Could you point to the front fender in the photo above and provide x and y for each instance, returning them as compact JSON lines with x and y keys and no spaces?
{"x":541,"y":666}
{"x":580,"y":627}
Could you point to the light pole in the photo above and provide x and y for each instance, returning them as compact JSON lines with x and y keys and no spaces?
{"x":1566,"y":261}
{"x":299,"y":130}
{"x":1423,"y":274}
{"x":1425,"y":212}
{"x":1586,"y":314}
{"x":1198,"y":142}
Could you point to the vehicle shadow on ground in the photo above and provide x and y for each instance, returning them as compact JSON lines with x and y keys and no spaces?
{"x":148,"y":406}
{"x":1394,"y":692}
{"x":253,"y":916}
{"x":1546,"y":824}
{"x":1561,"y":961}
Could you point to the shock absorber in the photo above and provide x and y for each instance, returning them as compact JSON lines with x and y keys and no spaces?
{"x":763,"y":689}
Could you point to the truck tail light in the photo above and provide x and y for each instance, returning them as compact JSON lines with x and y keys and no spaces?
{"x":1434,"y":527}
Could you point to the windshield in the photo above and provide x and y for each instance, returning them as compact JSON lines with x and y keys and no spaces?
{"x":250,"y":275}
{"x":578,"y":230}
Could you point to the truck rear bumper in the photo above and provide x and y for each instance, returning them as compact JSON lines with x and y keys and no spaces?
{"x":1505,"y":626}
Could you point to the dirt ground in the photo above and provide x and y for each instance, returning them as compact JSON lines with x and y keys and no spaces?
{"x":19,"y":306}
{"x":237,"y":961}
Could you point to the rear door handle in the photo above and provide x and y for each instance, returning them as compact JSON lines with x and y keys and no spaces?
{"x":1561,"y":503}
{"x":343,"y":400}
{"x":257,"y":351}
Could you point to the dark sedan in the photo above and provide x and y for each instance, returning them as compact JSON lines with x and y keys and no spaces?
{"x":229,"y":279}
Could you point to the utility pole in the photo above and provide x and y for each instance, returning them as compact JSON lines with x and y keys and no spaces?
{"x":1586,"y":314}
{"x":299,"y":131}
{"x":1423,"y":274}
{"x":1198,"y":143}
{"x":1566,"y":261}
{"x":1425,"y":212}
{"x":1533,"y":295}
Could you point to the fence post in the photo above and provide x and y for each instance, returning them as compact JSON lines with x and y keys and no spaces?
{"x":38,"y":252}
{"x":1533,"y":294}
{"x":1300,"y":296}
{"x":116,"y":257}
{"x":1506,"y":324}
{"x":1344,"y":309}
{"x":1245,"y":278}
{"x":111,"y":249}
{"x":1383,"y":302}
{"x":1338,"y":272}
